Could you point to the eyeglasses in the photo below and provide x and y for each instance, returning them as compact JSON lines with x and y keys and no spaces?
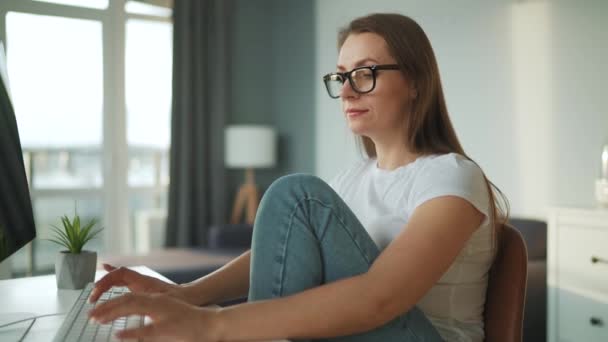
{"x":362,"y":79}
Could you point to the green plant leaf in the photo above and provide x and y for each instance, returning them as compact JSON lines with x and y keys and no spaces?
{"x":74,"y":229}
{"x":77,"y":225}
{"x":60,"y":238}
{"x":69,"y":230}
{"x":87,"y":228}
{"x":74,"y":234}
{"x":61,"y":235}
{"x":63,"y":241}
{"x":91,"y":236}
{"x":60,"y":243}
{"x":65,"y":221}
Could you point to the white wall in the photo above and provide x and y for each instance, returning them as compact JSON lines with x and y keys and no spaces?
{"x":524,"y":82}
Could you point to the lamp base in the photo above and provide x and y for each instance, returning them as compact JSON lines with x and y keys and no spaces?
{"x":247,"y":199}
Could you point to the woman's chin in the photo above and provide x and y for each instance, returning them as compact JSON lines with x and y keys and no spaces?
{"x":357,"y":129}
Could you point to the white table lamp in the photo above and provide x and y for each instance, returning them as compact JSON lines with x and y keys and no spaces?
{"x":249,"y":147}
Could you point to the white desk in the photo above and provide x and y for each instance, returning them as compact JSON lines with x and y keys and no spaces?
{"x":40,"y":296}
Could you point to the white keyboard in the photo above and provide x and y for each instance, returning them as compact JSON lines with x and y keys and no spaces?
{"x":78,"y":327}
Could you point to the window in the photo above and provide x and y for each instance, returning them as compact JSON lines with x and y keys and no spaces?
{"x":101,"y":4}
{"x":138,"y":7}
{"x":56,"y":70}
{"x":148,"y":56}
{"x":75,"y":127}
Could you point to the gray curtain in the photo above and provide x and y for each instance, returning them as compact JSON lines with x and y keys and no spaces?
{"x":200,"y":98}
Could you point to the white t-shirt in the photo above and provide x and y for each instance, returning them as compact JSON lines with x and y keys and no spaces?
{"x":384,"y":200}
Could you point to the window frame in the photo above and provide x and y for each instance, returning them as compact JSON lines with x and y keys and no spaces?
{"x":115,"y":191}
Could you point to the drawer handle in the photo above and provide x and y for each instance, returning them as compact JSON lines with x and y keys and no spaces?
{"x":596,"y":322}
{"x":595,"y":260}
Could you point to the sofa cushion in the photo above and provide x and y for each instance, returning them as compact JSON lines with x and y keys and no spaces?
{"x":230,"y":236}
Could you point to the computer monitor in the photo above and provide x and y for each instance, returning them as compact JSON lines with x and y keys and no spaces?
{"x":16,"y":216}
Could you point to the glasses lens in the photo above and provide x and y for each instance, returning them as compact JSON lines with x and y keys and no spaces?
{"x":363,"y":80}
{"x":334,"y":83}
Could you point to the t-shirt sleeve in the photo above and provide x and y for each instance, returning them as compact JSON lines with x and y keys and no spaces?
{"x":451,"y":175}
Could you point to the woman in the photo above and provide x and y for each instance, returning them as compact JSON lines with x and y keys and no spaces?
{"x":400,"y":251}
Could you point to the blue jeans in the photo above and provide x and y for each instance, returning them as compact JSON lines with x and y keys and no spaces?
{"x":305,"y":236}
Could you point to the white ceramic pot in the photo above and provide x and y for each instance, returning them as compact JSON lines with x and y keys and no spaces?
{"x":74,"y":271}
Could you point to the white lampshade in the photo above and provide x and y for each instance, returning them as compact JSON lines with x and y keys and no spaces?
{"x":250,"y":146}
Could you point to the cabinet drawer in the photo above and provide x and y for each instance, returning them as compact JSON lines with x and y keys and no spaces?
{"x":582,"y":259}
{"x":581,"y":318}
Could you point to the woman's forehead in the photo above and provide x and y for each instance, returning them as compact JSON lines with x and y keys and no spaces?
{"x":359,"y":48}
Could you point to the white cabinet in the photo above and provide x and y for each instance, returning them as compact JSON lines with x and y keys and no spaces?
{"x":577,"y":275}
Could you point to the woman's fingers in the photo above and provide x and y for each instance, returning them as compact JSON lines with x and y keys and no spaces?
{"x":126,"y":305}
{"x":108,"y":267}
{"x":171,"y":318}
{"x":115,"y":278}
{"x":161,"y":331}
{"x":143,"y":332}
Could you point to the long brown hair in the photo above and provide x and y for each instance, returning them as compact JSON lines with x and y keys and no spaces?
{"x":428,"y":127}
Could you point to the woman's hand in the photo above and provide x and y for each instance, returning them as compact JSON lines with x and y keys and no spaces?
{"x":136,"y":282}
{"x":172,"y":319}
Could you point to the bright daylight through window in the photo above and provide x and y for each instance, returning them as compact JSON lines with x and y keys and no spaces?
{"x":63,"y":90}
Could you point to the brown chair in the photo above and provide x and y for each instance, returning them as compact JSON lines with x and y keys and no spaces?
{"x":506,"y":294}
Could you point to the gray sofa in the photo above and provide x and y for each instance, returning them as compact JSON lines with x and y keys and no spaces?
{"x":225,"y":242}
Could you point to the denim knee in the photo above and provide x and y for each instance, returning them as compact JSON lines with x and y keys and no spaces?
{"x":287,"y":195}
{"x":297,"y":184}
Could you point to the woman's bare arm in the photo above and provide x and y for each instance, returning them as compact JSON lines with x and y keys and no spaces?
{"x":229,"y":282}
{"x":399,"y":277}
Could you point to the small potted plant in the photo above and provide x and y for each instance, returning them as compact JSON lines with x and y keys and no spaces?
{"x":74,"y":267}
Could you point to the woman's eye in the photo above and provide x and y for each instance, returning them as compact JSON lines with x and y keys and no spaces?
{"x":362,"y":75}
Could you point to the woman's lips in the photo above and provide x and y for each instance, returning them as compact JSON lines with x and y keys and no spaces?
{"x":355,"y":112}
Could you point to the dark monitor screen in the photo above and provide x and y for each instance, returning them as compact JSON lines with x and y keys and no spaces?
{"x":16,"y":217}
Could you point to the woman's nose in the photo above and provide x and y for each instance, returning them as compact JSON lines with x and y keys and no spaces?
{"x":347,"y":90}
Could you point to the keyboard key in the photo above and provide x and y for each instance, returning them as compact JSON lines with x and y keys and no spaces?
{"x":77,"y":326}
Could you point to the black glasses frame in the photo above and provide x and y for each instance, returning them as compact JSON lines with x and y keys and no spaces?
{"x":347,"y":76}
